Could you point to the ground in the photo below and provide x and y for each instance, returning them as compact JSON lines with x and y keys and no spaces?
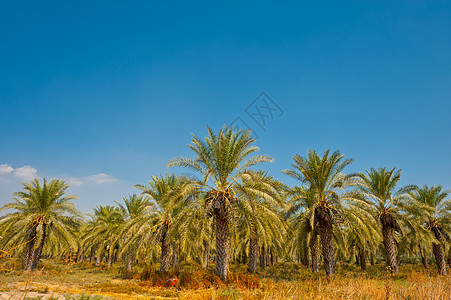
{"x":78,"y":281}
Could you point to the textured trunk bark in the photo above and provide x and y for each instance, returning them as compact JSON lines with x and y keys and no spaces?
{"x":314,"y":251}
{"x":129,"y":258}
{"x":206,"y":256}
{"x":327,"y":245}
{"x":222,"y":246}
{"x":390,"y":248}
{"x":262,"y":257}
{"x":449,"y":257}
{"x":439,"y":258}
{"x":253,"y":253}
{"x":36,"y":253}
{"x":174,"y":259}
{"x":92,"y":256}
{"x":362,"y":259}
{"x":165,"y":250}
{"x":99,"y":257}
{"x":110,"y":259}
{"x":424,"y":259}
{"x":273,"y":255}
{"x":29,"y":247}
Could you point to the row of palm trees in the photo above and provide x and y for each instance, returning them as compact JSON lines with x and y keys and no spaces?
{"x":234,"y":211}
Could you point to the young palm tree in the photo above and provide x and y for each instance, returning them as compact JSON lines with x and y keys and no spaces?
{"x":388,"y":206}
{"x":165,"y":202}
{"x":43,"y":211}
{"x":134,"y":208}
{"x":221,"y":158}
{"x":301,"y":236}
{"x":324,"y":180}
{"x":436,"y":219}
{"x":260,"y":201}
{"x":193,"y":227}
{"x":103,"y":232}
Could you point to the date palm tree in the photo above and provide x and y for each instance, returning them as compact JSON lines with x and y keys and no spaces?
{"x":324,"y":183}
{"x":163,"y":194}
{"x":220,"y":159}
{"x":390,"y":206}
{"x":42,"y":211}
{"x":103,"y":232}
{"x":134,"y":207}
{"x":260,"y":202}
{"x":436,"y":219}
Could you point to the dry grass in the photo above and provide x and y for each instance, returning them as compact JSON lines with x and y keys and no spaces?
{"x":284,"y":281}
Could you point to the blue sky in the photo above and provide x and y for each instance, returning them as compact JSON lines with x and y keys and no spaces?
{"x":104,"y":93}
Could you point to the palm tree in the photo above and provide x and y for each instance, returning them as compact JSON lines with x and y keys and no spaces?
{"x":133,"y":209}
{"x":388,"y":205}
{"x":103,"y":232}
{"x":260,"y":202}
{"x":301,"y":235}
{"x":436,"y":219}
{"x":324,"y":180}
{"x":221,"y":158}
{"x":193,"y":227}
{"x":165,"y":198}
{"x":43,"y":211}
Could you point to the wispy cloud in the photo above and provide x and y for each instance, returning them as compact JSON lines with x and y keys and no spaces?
{"x":8,"y":174}
{"x":100,"y":178}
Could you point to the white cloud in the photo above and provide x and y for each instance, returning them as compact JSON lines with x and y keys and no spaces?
{"x":5,"y":169}
{"x":74,"y":181}
{"x":96,"y":178}
{"x":25,"y":172}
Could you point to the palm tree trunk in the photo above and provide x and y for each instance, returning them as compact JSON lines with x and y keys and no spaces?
{"x":29,"y":247}
{"x":449,"y":257}
{"x":327,"y":245}
{"x":36,"y":253}
{"x":390,"y":248}
{"x":304,"y":257}
{"x":424,"y":259}
{"x":165,"y":250}
{"x":262,"y":257}
{"x":92,"y":256}
{"x":206,"y":256}
{"x":222,"y":245}
{"x":362,"y":259}
{"x":439,"y":258}
{"x":253,"y":252}
{"x":129,"y":258}
{"x":110,"y":259}
{"x":314,"y":250}
{"x":99,"y":256}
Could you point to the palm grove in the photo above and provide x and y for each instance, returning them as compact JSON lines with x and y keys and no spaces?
{"x":230,"y":211}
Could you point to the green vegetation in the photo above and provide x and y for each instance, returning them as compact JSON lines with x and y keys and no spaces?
{"x":263,"y":236}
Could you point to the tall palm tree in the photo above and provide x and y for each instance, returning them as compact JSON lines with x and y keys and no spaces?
{"x":436,"y":219}
{"x":42,"y":211}
{"x":220,"y":159}
{"x":325,"y":183}
{"x":164,"y":196}
{"x":388,"y":205}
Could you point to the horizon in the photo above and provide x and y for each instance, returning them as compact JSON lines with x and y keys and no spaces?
{"x":103,"y":94}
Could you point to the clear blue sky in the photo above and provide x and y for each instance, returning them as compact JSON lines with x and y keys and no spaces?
{"x":104,"y":93}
